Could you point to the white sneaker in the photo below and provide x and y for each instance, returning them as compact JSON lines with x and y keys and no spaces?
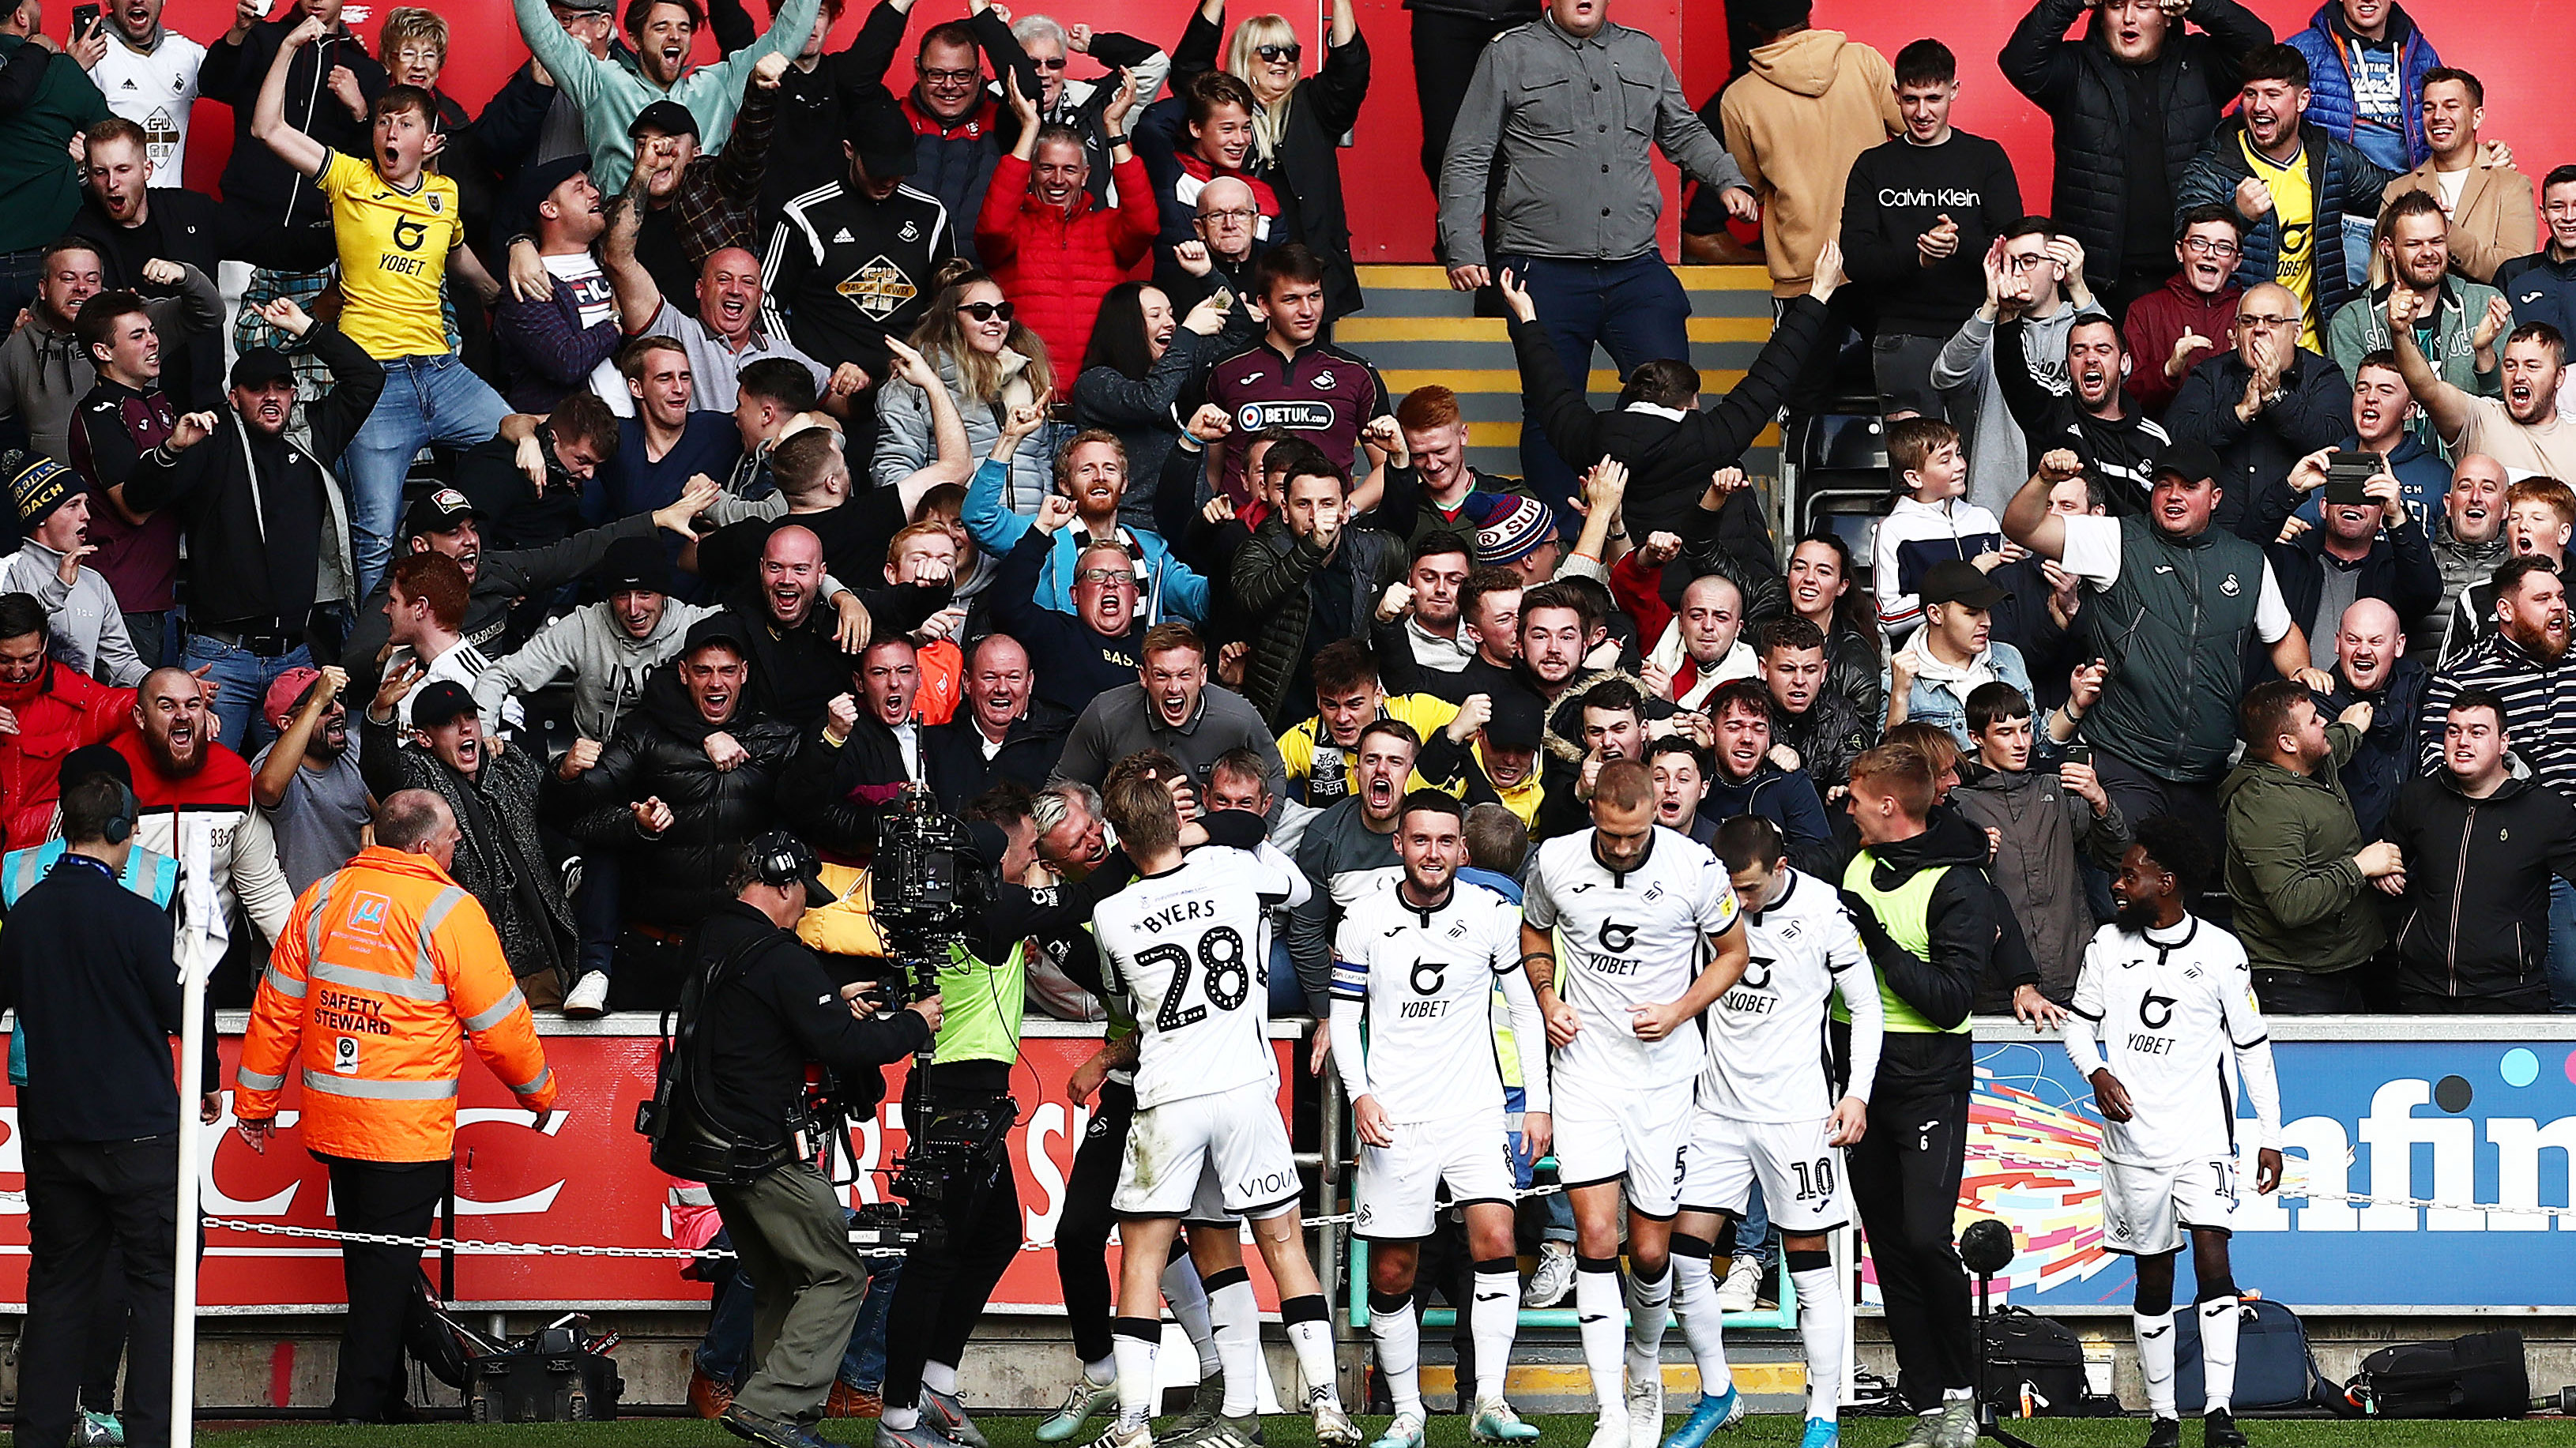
{"x":588,"y":998}
{"x":1333,"y":1427}
{"x":1646,"y":1405}
{"x":1610,"y":1430}
{"x":1743,"y":1285}
{"x":1554,"y":1277}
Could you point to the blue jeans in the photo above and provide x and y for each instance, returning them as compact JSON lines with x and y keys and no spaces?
{"x":1287,"y":998}
{"x":1636,"y":309}
{"x":1753,"y":1229}
{"x":2562,"y":945}
{"x":726,"y":1349}
{"x":595,"y":910}
{"x":426,"y":400}
{"x":242,"y":678}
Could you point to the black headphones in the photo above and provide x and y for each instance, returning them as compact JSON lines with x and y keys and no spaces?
{"x":780,"y":859}
{"x":120,"y":826}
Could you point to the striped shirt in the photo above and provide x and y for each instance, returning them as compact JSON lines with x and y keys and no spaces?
{"x":2539,"y":707}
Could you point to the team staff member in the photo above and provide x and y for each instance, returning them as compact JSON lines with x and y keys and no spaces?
{"x":86,"y":964}
{"x":763,"y":1009}
{"x":1932,"y":921}
{"x":385,"y":970}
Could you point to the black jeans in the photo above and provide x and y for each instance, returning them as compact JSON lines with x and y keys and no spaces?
{"x":1445,"y":50}
{"x":1905,"y":1180}
{"x":399,"y":1198}
{"x":1082,"y":1228}
{"x":88,"y":1203}
{"x":945,"y":1284}
{"x":2305,"y":993}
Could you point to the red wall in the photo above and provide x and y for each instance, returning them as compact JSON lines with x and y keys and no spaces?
{"x":2517,"y":47}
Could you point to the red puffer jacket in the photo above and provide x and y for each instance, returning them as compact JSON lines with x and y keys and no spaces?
{"x":58,"y":711}
{"x":1055,"y":267}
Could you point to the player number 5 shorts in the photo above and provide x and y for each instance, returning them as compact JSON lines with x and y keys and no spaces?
{"x":1610,"y":1130}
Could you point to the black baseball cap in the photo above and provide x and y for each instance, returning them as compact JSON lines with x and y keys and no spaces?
{"x":439,"y":511}
{"x":1517,"y":721}
{"x":634,"y":563}
{"x":663,"y":117}
{"x":442,"y":702}
{"x":1955,"y":580}
{"x":539,"y":181}
{"x":2192,"y":462}
{"x":882,"y":139}
{"x":780,"y":859}
{"x":260,"y":366}
{"x":718,"y":628}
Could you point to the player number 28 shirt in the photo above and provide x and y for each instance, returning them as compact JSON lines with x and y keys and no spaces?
{"x":393,"y":256}
{"x":1628,"y":938}
{"x":1181,"y":946}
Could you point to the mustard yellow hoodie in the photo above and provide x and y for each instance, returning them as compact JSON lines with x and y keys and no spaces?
{"x":1812,"y":102}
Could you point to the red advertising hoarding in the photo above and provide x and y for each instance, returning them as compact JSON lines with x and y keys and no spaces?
{"x":585,"y":1181}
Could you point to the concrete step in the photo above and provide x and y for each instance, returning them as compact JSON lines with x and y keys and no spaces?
{"x":1418,"y":332}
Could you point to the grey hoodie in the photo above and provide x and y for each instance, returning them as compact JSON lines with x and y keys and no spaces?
{"x":606,"y":663}
{"x":44,"y":374}
{"x":1998,"y":455}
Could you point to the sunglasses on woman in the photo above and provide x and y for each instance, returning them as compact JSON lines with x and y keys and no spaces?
{"x":987,"y":311}
{"x":1291,"y":52}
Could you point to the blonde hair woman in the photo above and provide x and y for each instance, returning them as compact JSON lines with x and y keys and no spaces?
{"x":992,"y":364}
{"x":1298,"y":123}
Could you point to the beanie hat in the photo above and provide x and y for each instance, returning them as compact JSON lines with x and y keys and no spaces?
{"x":1513,"y":531}
{"x":37,"y":486}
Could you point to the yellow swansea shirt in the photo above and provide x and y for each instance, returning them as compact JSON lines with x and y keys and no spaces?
{"x":2296,"y":207}
{"x":393,"y":257}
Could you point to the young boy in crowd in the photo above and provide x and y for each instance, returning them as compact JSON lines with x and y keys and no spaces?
{"x":1928,"y":523}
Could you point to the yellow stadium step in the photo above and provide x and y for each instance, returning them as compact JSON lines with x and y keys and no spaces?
{"x":1419,"y":332}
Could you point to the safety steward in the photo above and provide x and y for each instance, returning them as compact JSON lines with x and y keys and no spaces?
{"x":384,"y":971}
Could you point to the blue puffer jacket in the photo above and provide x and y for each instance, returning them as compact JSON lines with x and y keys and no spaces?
{"x":2340,"y":179}
{"x":2327,"y":45}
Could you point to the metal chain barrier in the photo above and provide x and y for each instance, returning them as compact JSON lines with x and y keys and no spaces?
{"x":562,"y":1249}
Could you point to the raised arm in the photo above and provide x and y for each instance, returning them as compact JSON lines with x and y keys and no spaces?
{"x":302,"y":154}
{"x":2027,"y":518}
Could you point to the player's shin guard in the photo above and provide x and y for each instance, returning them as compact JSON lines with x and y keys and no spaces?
{"x":1695,"y":1302}
{"x":2156,"y":1359}
{"x":1309,"y":1320}
{"x":2218,"y":1318}
{"x":1235,"y":1320}
{"x":1136,"y":1339}
{"x":1398,"y":1335}
{"x":1493,"y":1319}
{"x":1596,"y":1313}
{"x":1189,"y":1299}
{"x":1822,"y":1312}
{"x":1650,"y":1309}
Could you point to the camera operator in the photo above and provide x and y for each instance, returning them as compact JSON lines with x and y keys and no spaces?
{"x":757,"y":1010}
{"x":983,"y":976}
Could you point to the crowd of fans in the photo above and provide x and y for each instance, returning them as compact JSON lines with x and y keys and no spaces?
{"x":822,"y":430}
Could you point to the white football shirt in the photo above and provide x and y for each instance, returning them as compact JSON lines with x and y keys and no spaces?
{"x":1427,"y":979}
{"x":1625,"y":939}
{"x":155,"y":90}
{"x":2170,"y":1010}
{"x":1181,"y":947}
{"x":1767,"y":1051}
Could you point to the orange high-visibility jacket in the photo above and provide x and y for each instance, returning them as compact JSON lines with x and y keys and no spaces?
{"x":382,"y":972}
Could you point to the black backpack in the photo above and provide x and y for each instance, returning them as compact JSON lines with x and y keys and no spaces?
{"x":2037,"y":1360}
{"x":2482,"y":1375}
{"x":2275,"y":1371}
